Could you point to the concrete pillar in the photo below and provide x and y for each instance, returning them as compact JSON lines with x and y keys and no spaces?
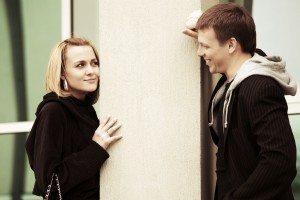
{"x":150,"y":81}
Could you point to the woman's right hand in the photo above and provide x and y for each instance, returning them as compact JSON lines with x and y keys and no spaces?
{"x":104,"y":133}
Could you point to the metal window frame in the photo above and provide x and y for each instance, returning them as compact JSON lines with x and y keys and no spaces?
{"x":66,"y":32}
{"x":66,"y":19}
{"x":293,"y":104}
{"x":15,"y":127}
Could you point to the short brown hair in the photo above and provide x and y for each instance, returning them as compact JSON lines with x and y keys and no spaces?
{"x":230,"y":20}
{"x":56,"y":64}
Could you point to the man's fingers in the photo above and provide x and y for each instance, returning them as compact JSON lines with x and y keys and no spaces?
{"x":190,"y":33}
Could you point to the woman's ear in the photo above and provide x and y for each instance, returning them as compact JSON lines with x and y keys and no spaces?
{"x":232,"y":44}
{"x":62,"y":76}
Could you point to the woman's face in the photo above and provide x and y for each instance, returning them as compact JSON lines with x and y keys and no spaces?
{"x":81,"y":71}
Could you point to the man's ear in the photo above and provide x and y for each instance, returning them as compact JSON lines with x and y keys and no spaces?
{"x":232,"y":45}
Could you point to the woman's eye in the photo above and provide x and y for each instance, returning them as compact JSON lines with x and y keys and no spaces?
{"x":95,"y":63}
{"x":80,"y":65}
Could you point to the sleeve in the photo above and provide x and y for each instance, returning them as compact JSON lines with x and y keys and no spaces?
{"x":276,"y":168}
{"x":71,"y":170}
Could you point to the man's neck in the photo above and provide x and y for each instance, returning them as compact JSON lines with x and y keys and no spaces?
{"x":235,"y":64}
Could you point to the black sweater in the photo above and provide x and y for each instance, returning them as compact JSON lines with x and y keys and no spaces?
{"x":61,"y":141}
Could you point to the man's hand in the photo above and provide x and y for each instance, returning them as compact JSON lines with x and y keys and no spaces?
{"x":191,"y":32}
{"x":191,"y":24}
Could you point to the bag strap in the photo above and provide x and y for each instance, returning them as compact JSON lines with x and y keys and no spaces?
{"x":49,"y":187}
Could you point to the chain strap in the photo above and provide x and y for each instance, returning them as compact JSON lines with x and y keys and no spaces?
{"x":49,"y":187}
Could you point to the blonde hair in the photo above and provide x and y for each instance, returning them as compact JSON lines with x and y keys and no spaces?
{"x":53,"y":81}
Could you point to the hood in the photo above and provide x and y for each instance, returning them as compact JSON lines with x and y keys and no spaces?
{"x":82,"y":111}
{"x":47,"y":98}
{"x":71,"y":103}
{"x":272,"y":66}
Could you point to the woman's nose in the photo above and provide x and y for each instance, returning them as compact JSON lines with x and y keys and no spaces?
{"x":89,"y":70}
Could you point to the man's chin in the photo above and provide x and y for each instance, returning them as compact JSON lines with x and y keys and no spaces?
{"x":212,"y":70}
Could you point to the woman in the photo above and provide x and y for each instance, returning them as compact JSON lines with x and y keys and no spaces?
{"x":66,"y":144}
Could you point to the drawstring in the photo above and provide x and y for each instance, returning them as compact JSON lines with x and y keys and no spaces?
{"x":211,"y":113}
{"x":215,"y":100}
{"x":226,"y":107}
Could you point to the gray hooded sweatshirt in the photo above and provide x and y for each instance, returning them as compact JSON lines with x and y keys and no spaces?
{"x":272,"y":66}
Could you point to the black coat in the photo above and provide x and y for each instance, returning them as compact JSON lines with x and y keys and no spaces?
{"x":256,"y":156}
{"x":61,"y":141}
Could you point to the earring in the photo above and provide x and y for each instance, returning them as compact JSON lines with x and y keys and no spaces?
{"x":66,"y":85}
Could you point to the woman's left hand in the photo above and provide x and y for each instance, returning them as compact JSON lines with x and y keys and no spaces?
{"x":104,"y":133}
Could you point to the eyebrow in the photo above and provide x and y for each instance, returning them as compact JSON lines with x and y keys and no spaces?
{"x":203,"y":44}
{"x":80,"y":61}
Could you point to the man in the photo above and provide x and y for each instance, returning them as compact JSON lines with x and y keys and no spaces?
{"x":248,"y":118}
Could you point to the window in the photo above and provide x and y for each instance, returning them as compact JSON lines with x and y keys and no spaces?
{"x":278,"y":33}
{"x":28,"y":31}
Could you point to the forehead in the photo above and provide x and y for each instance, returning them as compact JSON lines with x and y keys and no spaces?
{"x":207,"y":36}
{"x":78,"y":53}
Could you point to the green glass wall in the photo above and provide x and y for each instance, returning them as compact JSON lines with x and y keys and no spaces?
{"x":294,"y":120}
{"x":28,"y":31}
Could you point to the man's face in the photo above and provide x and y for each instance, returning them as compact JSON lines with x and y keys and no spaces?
{"x":214,"y":53}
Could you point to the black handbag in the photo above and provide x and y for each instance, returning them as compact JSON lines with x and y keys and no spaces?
{"x":49,"y":187}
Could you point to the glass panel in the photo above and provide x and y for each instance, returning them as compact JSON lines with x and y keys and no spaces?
{"x":6,"y":165}
{"x":278,"y":33}
{"x":7,"y":85}
{"x":278,"y":30}
{"x":28,"y":31}
{"x":294,"y":120}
